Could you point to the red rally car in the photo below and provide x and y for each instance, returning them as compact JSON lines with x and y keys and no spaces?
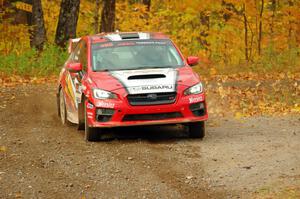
{"x":129,"y":79}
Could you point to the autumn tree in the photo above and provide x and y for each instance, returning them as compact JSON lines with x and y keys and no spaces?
{"x":147,"y":3}
{"x":260,"y":31}
{"x":96,"y":16}
{"x":38,"y":32}
{"x":67,"y":22}
{"x":108,"y":16}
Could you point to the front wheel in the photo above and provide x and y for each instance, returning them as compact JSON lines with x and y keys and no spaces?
{"x":90,"y":133}
{"x":197,"y":129}
{"x":81,"y":116}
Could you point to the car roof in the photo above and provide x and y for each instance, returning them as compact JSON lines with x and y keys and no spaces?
{"x":122,"y":36}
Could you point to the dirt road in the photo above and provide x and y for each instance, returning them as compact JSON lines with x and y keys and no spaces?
{"x":39,"y":158}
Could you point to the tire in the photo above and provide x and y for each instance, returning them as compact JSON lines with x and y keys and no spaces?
{"x":62,"y":108}
{"x":197,"y":130}
{"x":81,"y":116}
{"x":90,"y":133}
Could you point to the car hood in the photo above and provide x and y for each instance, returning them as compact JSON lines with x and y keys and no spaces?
{"x":147,"y":80}
{"x":158,"y":80}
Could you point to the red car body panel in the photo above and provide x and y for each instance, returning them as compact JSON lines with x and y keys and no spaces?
{"x":72,"y":83}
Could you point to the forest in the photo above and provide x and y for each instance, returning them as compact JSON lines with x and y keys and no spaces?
{"x":229,"y":36}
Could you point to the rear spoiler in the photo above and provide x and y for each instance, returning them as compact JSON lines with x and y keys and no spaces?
{"x":72,"y":44}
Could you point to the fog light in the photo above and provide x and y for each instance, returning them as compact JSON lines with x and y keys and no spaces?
{"x":104,"y":115}
{"x":201,"y":106}
{"x":105,"y":111}
{"x":198,"y":109}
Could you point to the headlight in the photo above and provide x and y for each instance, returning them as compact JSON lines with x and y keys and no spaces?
{"x":102,"y":94}
{"x":196,"y":89}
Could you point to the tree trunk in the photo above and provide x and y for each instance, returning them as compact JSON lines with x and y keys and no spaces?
{"x":96,"y":16}
{"x":260,"y":27}
{"x":38,"y":32}
{"x":204,"y":30}
{"x":108,"y":16}
{"x":147,"y":3}
{"x":246,"y":33}
{"x":273,"y":9}
{"x":290,"y":29}
{"x":67,"y":23}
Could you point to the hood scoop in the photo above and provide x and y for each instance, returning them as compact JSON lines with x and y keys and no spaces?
{"x":148,"y":76}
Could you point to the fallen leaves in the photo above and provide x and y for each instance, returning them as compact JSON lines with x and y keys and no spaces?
{"x":253,"y":94}
{"x":291,"y":192}
{"x":18,"y":195}
{"x":212,"y":71}
{"x":16,"y":80}
{"x":238,"y":115}
{"x":251,"y":76}
{"x":3,"y":148}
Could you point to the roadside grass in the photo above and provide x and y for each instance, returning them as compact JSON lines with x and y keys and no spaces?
{"x":33,"y":63}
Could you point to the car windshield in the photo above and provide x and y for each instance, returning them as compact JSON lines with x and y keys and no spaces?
{"x":129,"y":55}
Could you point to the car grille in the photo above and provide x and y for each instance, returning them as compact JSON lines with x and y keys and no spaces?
{"x":155,"y":116}
{"x":151,"y":99}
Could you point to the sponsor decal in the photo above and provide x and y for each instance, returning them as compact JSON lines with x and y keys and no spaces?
{"x":89,"y":106}
{"x":152,"y":42}
{"x":151,"y":87}
{"x":106,"y":45}
{"x":105,"y":104}
{"x":154,"y":87}
{"x":126,"y":44}
{"x":195,"y":99}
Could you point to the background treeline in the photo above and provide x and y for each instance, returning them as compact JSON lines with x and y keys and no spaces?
{"x":229,"y":35}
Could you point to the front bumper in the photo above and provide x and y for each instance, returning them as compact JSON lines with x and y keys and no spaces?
{"x":119,"y":112}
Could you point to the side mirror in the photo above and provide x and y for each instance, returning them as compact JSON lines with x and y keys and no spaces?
{"x":192,"y":60}
{"x":74,"y":67}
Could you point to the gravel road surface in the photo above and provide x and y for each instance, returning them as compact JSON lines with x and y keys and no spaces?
{"x":40,"y":158}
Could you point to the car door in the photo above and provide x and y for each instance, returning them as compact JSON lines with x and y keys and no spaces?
{"x":73,"y":81}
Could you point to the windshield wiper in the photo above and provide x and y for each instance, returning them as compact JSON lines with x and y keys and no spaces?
{"x":149,"y":67}
{"x":137,"y":68}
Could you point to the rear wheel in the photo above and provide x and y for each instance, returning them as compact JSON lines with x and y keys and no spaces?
{"x":62,"y":107}
{"x":90,"y":133}
{"x":197,"y":129}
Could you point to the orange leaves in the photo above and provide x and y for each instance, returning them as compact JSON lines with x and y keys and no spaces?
{"x":131,"y":17}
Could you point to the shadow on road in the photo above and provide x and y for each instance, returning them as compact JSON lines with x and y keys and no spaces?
{"x":153,"y":134}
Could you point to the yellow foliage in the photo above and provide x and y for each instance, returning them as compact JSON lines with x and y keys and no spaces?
{"x":199,"y":27}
